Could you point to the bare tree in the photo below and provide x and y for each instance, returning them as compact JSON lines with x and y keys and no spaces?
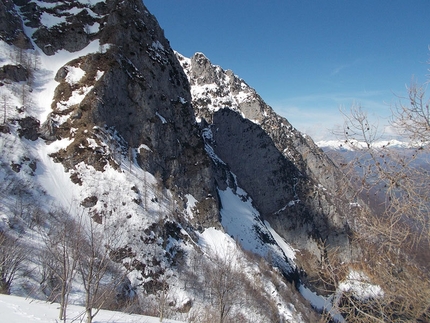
{"x":5,"y":102}
{"x":99,"y":275}
{"x":395,"y":175}
{"x":76,"y":249}
{"x":223,"y":283}
{"x":24,"y":95}
{"x":20,"y":46}
{"x":60,"y":257}
{"x":162,"y":296}
{"x":36,"y":61}
{"x":12,"y":258}
{"x":394,"y":235}
{"x":412,"y":119}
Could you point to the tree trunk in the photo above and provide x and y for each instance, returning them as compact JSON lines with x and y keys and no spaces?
{"x":89,"y":312}
{"x":4,"y":287}
{"x":62,"y":315}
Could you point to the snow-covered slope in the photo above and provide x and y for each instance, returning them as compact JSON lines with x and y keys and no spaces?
{"x":214,"y":89}
{"x":26,"y":310}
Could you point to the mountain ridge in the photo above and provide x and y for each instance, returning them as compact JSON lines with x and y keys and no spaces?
{"x":220,"y":96}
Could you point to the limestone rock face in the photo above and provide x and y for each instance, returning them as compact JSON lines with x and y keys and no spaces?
{"x":293,"y":184}
{"x":29,"y":128}
{"x":254,"y":159}
{"x":15,"y":73}
{"x":11,"y":28}
{"x":132,"y":86}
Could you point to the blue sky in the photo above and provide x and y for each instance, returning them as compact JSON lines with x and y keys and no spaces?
{"x":308,"y":58}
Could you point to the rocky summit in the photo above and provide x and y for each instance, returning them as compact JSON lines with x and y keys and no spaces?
{"x":181,"y":161}
{"x":292,"y":183}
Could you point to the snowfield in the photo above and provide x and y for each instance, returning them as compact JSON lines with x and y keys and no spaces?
{"x":15,"y":309}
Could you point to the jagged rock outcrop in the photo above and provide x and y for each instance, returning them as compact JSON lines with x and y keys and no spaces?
{"x":14,"y":73}
{"x":133,"y":86}
{"x":11,"y":27}
{"x":293,"y":184}
{"x":29,"y":128}
{"x":260,"y":168}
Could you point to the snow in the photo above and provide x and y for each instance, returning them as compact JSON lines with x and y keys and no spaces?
{"x":238,"y":217}
{"x":321,"y":303}
{"x":50,"y":175}
{"x":242,"y":222}
{"x":317,"y":301}
{"x":216,"y":242}
{"x":221,"y":94}
{"x":99,"y":74}
{"x":286,"y":248}
{"x":15,"y":309}
{"x":163,"y":120}
{"x":119,"y":189}
{"x":354,"y":205}
{"x":46,"y":5}
{"x":92,"y":143}
{"x":358,"y":284}
{"x":44,"y":86}
{"x":44,"y":89}
{"x":191,"y":203}
{"x":50,"y":21}
{"x":157,"y":45}
{"x":74,"y":74}
{"x":143,"y":146}
{"x":92,"y":29}
{"x":90,"y":2}
{"x":76,"y":97}
{"x":354,"y":144}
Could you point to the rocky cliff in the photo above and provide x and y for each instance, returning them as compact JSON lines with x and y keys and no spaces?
{"x":293,"y":184}
{"x":133,"y":85}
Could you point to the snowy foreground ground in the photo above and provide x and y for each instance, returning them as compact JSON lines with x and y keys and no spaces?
{"x":15,"y":309}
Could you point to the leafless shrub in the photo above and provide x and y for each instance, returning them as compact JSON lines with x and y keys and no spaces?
{"x":60,"y":257}
{"x":395,"y":235}
{"x":99,"y":275}
{"x":12,"y":257}
{"x":78,"y":249}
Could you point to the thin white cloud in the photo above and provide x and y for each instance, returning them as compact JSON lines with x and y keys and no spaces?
{"x":342,"y":67}
{"x":318,"y":114}
{"x":338,"y":69}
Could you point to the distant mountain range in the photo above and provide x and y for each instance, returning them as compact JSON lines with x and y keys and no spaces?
{"x":341,"y":145}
